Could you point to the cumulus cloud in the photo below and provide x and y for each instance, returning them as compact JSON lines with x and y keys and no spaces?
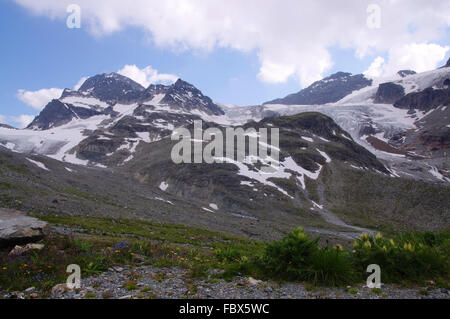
{"x":291,"y":37}
{"x":147,"y":75}
{"x":38,"y":99}
{"x":376,"y":68}
{"x":80,"y":83}
{"x":22,"y":121}
{"x":419,"y":57}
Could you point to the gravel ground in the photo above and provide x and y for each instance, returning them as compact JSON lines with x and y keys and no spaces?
{"x":150,"y":282}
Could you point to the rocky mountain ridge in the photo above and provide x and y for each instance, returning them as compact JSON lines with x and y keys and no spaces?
{"x":328,"y":90}
{"x":105,"y":121}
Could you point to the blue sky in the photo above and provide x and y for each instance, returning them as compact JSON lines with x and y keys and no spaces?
{"x":38,"y":52}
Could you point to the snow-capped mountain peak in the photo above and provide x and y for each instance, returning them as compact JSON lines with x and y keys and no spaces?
{"x":104,"y":121}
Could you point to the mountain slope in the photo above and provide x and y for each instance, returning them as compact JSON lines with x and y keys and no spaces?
{"x":347,"y":169}
{"x":409,"y":130}
{"x":102,"y":123}
{"x":329,"y":90}
{"x":314,"y":155}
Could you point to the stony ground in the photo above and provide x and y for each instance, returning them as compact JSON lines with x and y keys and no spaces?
{"x":161,"y":283}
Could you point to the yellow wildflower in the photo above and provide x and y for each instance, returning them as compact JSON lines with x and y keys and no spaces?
{"x":301,"y":235}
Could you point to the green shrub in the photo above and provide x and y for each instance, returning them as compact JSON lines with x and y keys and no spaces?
{"x":297,"y":257}
{"x":289,"y":258}
{"x":409,"y":257}
{"x":331,"y":267}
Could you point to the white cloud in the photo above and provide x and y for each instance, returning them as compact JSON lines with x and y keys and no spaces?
{"x":147,"y":75}
{"x":39,"y":99}
{"x":419,"y":57}
{"x":22,"y":120}
{"x":291,"y":37}
{"x":2,"y":119}
{"x":80,"y":83}
{"x":376,"y":68}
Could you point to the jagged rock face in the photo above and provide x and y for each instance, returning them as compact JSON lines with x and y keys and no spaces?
{"x":99,"y":94}
{"x":112,"y":88}
{"x":448,"y":63}
{"x":431,"y":138}
{"x":152,"y":91}
{"x":328,"y":90}
{"x":404,"y":73}
{"x":188,"y":97}
{"x":57,"y":113}
{"x":425,"y":100}
{"x":389,"y":93}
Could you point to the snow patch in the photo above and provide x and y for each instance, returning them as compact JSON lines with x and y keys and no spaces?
{"x":163,"y":186}
{"x":164,"y":200}
{"x":38,"y":164}
{"x":435,"y":172}
{"x":324,"y":155}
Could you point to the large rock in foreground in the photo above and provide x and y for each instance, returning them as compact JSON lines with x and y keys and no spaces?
{"x":17,"y":228}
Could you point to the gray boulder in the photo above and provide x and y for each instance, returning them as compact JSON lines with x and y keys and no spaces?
{"x":17,"y":228}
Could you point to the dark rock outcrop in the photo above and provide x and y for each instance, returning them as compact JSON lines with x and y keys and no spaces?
{"x":329,"y":90}
{"x":17,"y":228}
{"x":446,"y":83}
{"x":188,"y":97}
{"x":112,"y":88}
{"x":57,"y":113}
{"x":389,"y":93}
{"x":425,"y":100}
{"x":404,"y":73}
